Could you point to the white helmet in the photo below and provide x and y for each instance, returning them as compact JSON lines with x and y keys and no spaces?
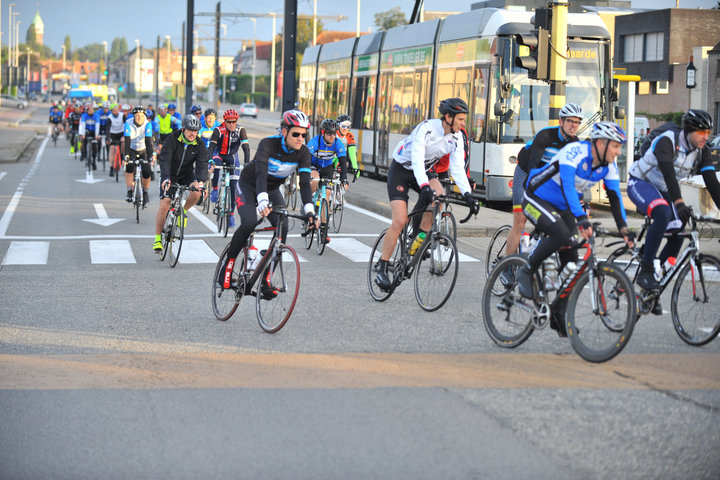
{"x":609,"y":130}
{"x":571,"y":110}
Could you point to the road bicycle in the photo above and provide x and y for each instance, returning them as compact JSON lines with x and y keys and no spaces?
{"x":435,"y":263}
{"x":55,"y":134}
{"x":278,"y":270}
{"x":593,"y":303}
{"x":445,"y":218}
{"x":173,"y":230}
{"x":102,"y":154}
{"x":116,"y":160}
{"x":695,"y":299}
{"x":74,"y":141}
{"x":91,"y":155}
{"x":290,"y":191}
{"x":137,"y":190}
{"x":323,"y":213}
{"x":224,"y":205}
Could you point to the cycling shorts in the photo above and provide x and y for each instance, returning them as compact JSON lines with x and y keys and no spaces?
{"x":325,"y":172}
{"x":646,"y":197}
{"x":115,"y":138}
{"x":400,"y":180}
{"x":187,"y":180}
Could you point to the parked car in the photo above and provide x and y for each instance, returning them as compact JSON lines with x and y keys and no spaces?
{"x":248,"y":110}
{"x":10,"y":101}
{"x":714,"y":146}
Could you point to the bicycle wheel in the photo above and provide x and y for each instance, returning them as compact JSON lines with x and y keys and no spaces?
{"x":227,"y":210}
{"x":287,"y":190}
{"x":206,"y":198}
{"x":308,"y":234}
{"x":178,"y":231}
{"x":447,"y":224}
{"x":598,"y":335}
{"x":496,"y":252}
{"x":225,"y":300}
{"x":436,"y":271}
{"x":278,"y":290}
{"x":219,"y":213}
{"x":395,"y":267}
{"x":507,"y":316}
{"x":167,"y":233}
{"x":294,"y":192}
{"x":338,"y":208}
{"x":322,"y":231}
{"x":137,"y":196}
{"x":695,"y":301}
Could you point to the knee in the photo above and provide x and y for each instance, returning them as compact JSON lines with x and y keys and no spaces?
{"x":661,"y":214}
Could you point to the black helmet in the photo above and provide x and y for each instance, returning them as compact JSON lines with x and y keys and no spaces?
{"x":190,"y":122}
{"x":210,"y":111}
{"x":343,"y":118}
{"x":328,"y":125}
{"x":138,"y":109}
{"x":695,"y":120}
{"x":453,"y":106}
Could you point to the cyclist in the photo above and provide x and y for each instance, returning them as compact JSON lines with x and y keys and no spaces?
{"x":165,"y":123}
{"x":138,"y":141}
{"x":73,"y":120}
{"x":552,"y":198}
{"x":209,"y":124}
{"x":653,"y":187}
{"x":276,"y":158}
{"x":442,"y":167}
{"x":104,"y":111}
{"x":537,"y":153}
{"x":56,"y":119}
{"x":197,"y":111}
{"x":183,"y":161}
{"x":116,"y":132}
{"x":176,"y":115}
{"x":324,"y":148}
{"x":344,"y":122}
{"x":89,"y":129}
{"x":224,"y":144}
{"x":412,"y":158}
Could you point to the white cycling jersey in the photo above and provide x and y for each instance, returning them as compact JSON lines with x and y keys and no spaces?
{"x":116,"y":124}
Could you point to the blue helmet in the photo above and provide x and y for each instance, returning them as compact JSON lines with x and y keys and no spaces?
{"x":172,"y":106}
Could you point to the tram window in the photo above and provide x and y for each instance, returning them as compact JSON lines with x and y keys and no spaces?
{"x":479,"y":107}
{"x":396,"y":104}
{"x":408,"y":104}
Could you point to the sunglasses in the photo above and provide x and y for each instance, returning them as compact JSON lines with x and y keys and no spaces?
{"x":298,"y":134}
{"x":344,"y":126}
{"x":704,"y":132}
{"x":231,"y":121}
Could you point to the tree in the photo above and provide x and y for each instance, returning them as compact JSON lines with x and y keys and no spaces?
{"x":389,"y":19}
{"x":305,"y":32}
{"x":68,"y":46}
{"x":118,"y":48}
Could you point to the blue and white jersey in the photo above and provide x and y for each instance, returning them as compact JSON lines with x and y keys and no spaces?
{"x":138,"y":133}
{"x":206,"y":132}
{"x":569,"y":175}
{"x":324,"y":153}
{"x":89,"y":123}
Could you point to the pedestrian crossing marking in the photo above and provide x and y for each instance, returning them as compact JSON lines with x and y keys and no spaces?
{"x":111,"y":251}
{"x":27,"y":253}
{"x":2,"y":174}
{"x":350,"y":248}
{"x":197,"y":251}
{"x":264,"y":243}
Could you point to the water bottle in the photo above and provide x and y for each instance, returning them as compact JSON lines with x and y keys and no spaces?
{"x":657,"y":267}
{"x":567,"y":270}
{"x":525,"y":243}
{"x":252,"y":258}
{"x":550,"y":270}
{"x":417,"y":242}
{"x":669,"y":264}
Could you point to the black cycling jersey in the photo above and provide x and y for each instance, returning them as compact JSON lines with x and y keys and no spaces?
{"x":550,"y":138}
{"x":274,"y":162}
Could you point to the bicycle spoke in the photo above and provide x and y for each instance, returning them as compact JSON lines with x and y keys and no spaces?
{"x":695,"y":303}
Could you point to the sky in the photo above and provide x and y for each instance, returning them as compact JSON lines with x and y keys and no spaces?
{"x":146,"y":19}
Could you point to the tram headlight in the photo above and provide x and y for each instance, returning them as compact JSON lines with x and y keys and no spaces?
{"x":513,"y":159}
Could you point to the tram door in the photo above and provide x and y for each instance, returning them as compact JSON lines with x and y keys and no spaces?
{"x":383,"y":122}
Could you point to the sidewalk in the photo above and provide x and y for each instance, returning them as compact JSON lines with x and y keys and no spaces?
{"x":15,"y":138}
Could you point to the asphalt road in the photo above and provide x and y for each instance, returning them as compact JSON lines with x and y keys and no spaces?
{"x":113,"y":365}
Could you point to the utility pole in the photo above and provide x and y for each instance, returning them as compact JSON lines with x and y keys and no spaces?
{"x":182,"y":62}
{"x":272,"y":68}
{"x":215,"y":99}
{"x":289,"y":46}
{"x":189,"y":60}
{"x":157,"y":72}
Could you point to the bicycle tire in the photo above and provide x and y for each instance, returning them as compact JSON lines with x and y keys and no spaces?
{"x":698,"y":324}
{"x":394,"y":267}
{"x":308,"y":234}
{"x":137,"y":196}
{"x":206,"y":199}
{"x":448,"y":225}
{"x":496,"y":251}
{"x":508,"y":327}
{"x":599,"y":337}
{"x":225,"y":300}
{"x":219,"y":213}
{"x":436,"y":271}
{"x":178,"y":230}
{"x":167,"y":234}
{"x":322,"y":231}
{"x":228,"y":210}
{"x":283,"y":274}
{"x":338,"y":208}
{"x":294,"y":192}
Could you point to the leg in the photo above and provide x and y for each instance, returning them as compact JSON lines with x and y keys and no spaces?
{"x":518,"y":189}
{"x":163,"y":208}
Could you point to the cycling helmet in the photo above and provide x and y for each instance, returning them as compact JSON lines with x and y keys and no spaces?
{"x":695,"y":120}
{"x":138,"y":109}
{"x":190,"y":122}
{"x":210,"y":111}
{"x":571,"y":110}
{"x":328,"y":126}
{"x":294,"y":118}
{"x":196,"y":109}
{"x":114,"y":105}
{"x":453,"y":106}
{"x":230,"y":115}
{"x":171,"y":106}
{"x":344,"y":119}
{"x":608,"y":130}
{"x":106,"y":104}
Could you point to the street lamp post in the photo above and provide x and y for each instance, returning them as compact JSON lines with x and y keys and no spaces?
{"x":17,"y":50}
{"x":10,"y":29}
{"x":106,"y":62}
{"x":254,"y":57}
{"x":138,"y":70}
{"x":169,"y":69}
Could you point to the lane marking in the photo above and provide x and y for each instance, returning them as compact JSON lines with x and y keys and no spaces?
{"x":10,"y":210}
{"x":2,"y":174}
{"x":111,"y":251}
{"x":197,"y":251}
{"x":128,"y":236}
{"x":103,"y":218}
{"x":368,"y":213}
{"x":126,"y":369}
{"x":212,"y":226}
{"x":27,"y":253}
{"x":350,"y":248}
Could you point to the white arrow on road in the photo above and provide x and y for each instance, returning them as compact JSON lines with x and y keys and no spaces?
{"x":103,"y":218}
{"x":89,"y":179}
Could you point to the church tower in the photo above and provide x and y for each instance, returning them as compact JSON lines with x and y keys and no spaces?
{"x":39,"y":27}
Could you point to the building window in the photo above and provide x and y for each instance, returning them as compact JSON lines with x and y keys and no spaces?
{"x":662,"y":87}
{"x":654,"y":47}
{"x":643,"y":88}
{"x":632,"y":48}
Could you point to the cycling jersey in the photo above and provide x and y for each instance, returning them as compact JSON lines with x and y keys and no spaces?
{"x":444,"y":163}
{"x":56,"y":116}
{"x":74,"y":120}
{"x":167,"y":123}
{"x":425,"y":146}
{"x":103,"y":120}
{"x":90,"y":124}
{"x":350,"y":146}
{"x":274,"y":162}
{"x":180,"y":159}
{"x":543,"y":148}
{"x":569,"y":175}
{"x":206,"y":132}
{"x":116,"y":123}
{"x":226,"y":143}
{"x":138,"y":136}
{"x":324,"y":153}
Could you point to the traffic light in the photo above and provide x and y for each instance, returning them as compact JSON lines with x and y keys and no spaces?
{"x":105,"y":72}
{"x":120,"y":89}
{"x":536,"y":63}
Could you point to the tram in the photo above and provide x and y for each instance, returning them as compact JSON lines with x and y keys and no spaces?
{"x":390,"y":81}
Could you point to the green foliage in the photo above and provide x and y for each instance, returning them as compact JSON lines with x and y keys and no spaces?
{"x":91,"y":53}
{"x":389,"y":19}
{"x":663,"y":117}
{"x":118,"y":48}
{"x":305,"y":33}
{"x":68,"y":46}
